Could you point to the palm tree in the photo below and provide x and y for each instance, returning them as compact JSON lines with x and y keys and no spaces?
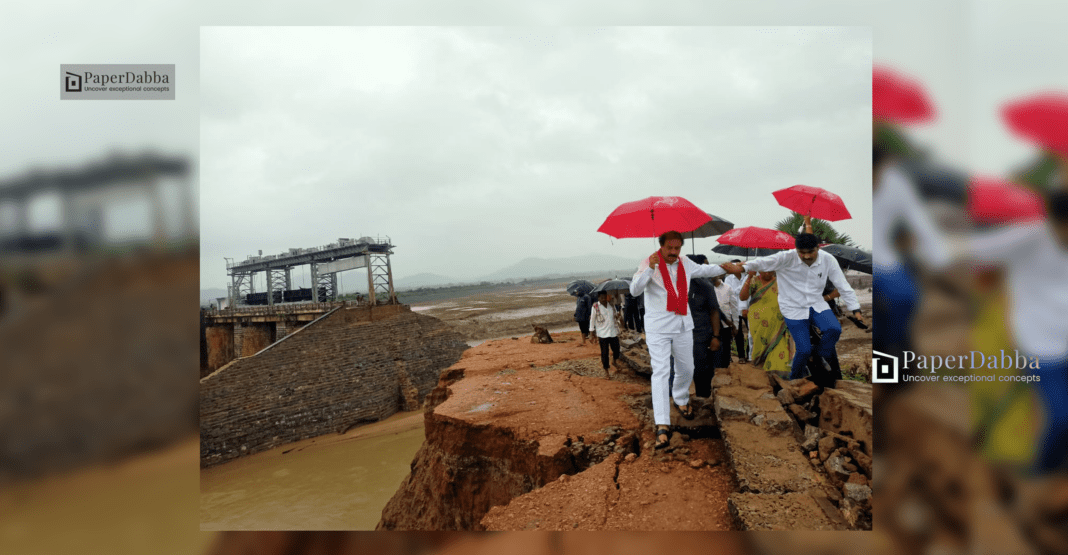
{"x":821,"y":228}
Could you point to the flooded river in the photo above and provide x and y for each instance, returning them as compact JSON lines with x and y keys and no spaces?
{"x":337,"y":482}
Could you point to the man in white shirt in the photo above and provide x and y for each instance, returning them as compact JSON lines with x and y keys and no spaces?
{"x":728,"y":307}
{"x":802,"y":274}
{"x":664,"y":279}
{"x":741,"y":328}
{"x":603,"y":325}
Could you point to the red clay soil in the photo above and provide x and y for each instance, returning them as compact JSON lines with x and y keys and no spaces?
{"x":538,"y":434}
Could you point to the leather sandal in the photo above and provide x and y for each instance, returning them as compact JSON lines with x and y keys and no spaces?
{"x":686,"y":412}
{"x":664,"y":433}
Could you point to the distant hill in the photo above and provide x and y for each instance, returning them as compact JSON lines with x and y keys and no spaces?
{"x":563,"y":267}
{"x":424,"y":279}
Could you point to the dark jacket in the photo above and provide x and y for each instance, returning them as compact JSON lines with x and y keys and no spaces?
{"x":703,"y":305}
{"x":583,"y":307}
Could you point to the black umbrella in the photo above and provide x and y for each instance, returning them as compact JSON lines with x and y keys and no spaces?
{"x":850,"y":258}
{"x":731,"y":250}
{"x":716,"y":226}
{"x":580,"y":287}
{"x":613,"y":285}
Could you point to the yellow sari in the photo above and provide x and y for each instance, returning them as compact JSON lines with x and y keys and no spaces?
{"x":1002,"y":412}
{"x":771,"y":339}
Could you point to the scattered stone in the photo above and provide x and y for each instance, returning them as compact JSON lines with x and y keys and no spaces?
{"x":630,"y":457}
{"x":857,"y":479}
{"x":802,"y":389}
{"x":676,"y":441}
{"x":729,"y":407}
{"x":850,"y":467}
{"x":563,"y":478}
{"x":847,"y":410}
{"x":853,"y":512}
{"x":835,"y":467}
{"x":812,"y":438}
{"x":826,"y":446}
{"x":779,"y":422}
{"x":863,"y":461}
{"x":697,"y":463}
{"x":721,"y":380}
{"x":800,"y":413}
{"x":785,"y":397}
{"x":857,"y":492}
{"x":758,"y":420}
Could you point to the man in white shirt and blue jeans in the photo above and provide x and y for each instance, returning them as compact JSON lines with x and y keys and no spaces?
{"x":802,"y":275}
{"x":669,"y":325}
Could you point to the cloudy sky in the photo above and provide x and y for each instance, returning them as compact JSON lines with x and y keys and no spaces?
{"x":473,"y":148}
{"x":972,"y":54}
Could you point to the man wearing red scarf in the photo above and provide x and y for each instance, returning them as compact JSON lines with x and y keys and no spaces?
{"x":665,"y":280}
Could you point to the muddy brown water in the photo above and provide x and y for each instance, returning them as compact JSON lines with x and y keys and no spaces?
{"x":325,"y":483}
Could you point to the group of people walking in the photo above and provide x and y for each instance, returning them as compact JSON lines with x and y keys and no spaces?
{"x":693,"y":312}
{"x":674,"y":333}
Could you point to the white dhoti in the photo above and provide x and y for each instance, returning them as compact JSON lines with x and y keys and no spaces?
{"x":661,"y":347}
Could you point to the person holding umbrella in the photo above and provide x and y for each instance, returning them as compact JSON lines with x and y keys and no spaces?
{"x":664,"y":278}
{"x":801,"y":275}
{"x":583,"y":306}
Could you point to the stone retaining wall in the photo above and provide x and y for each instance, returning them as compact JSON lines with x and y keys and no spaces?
{"x":343,"y":370}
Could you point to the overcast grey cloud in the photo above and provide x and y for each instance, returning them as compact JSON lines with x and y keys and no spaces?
{"x":473,"y":148}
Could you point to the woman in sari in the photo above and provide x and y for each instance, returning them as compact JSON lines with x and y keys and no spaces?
{"x":771,"y":339}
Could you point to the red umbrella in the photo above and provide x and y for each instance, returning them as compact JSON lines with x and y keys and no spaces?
{"x":1042,"y":118}
{"x":757,"y":238}
{"x":992,"y":200}
{"x":898,"y":99}
{"x":813,"y":201}
{"x":652,"y":217}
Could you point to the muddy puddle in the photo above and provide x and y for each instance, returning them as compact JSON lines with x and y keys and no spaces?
{"x":325,"y":483}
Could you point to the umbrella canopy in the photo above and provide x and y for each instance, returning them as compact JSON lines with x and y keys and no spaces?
{"x":757,"y":238}
{"x":899,"y":99}
{"x":993,"y":201}
{"x":731,"y":250}
{"x":813,"y":201}
{"x":652,"y":217}
{"x":613,"y":285}
{"x":1041,"y":119}
{"x":715,"y":226}
{"x":850,"y":258}
{"x":936,"y":181}
{"x":580,"y":287}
